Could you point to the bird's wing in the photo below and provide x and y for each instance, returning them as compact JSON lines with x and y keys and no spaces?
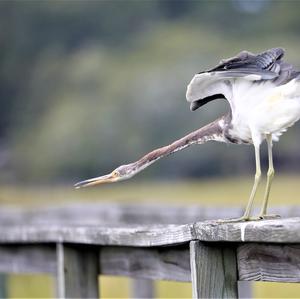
{"x":263,"y":66}
{"x":206,"y":87}
{"x":215,"y":83}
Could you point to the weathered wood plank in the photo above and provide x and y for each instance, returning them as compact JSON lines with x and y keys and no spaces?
{"x":93,"y":213}
{"x":255,"y":261}
{"x":77,"y":272}
{"x":142,"y":288}
{"x":111,"y":214}
{"x":163,"y":263}
{"x":267,"y":231}
{"x":260,"y":262}
{"x":123,"y":235}
{"x":27,"y":258}
{"x":213,"y":271}
{"x":169,"y":263}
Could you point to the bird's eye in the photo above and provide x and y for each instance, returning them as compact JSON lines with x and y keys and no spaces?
{"x":115,"y":173}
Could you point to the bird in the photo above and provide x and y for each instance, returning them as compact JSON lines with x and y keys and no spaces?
{"x":263,"y":92}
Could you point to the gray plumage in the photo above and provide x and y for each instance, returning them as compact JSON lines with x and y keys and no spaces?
{"x":264,"y":66}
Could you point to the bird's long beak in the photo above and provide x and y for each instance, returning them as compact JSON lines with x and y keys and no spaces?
{"x":109,"y":178}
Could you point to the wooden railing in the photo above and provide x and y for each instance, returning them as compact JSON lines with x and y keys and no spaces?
{"x":77,"y":244}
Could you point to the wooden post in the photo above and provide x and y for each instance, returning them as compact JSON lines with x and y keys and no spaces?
{"x":77,"y":271}
{"x":213,"y":271}
{"x":142,"y":288}
{"x":3,"y":285}
{"x":245,"y":289}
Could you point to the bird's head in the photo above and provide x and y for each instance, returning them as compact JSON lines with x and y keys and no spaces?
{"x":121,"y":173}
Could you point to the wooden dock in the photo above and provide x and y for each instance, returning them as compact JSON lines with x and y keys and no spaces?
{"x":77,"y":244}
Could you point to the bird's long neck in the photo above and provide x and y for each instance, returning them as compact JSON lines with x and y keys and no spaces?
{"x":212,"y":131}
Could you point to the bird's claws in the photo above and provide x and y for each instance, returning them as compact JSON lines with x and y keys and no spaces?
{"x":245,"y":218}
{"x":269,"y":216}
{"x":233,"y":220}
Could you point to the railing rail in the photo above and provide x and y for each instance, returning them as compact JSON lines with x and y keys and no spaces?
{"x":213,"y":256}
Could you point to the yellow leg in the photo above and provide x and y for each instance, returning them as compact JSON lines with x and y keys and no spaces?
{"x":270,"y":175}
{"x":247,"y":213}
{"x":246,"y":216}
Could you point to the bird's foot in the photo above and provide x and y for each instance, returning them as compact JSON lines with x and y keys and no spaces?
{"x":233,"y":220}
{"x":248,"y":218}
{"x":268,"y":216}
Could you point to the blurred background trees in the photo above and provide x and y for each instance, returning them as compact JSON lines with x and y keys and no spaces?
{"x":88,"y":85}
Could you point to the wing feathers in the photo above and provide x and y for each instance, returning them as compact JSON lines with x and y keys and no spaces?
{"x":245,"y":65}
{"x":246,"y":62}
{"x":248,"y":74}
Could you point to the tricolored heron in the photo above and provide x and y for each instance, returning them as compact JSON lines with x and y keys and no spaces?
{"x":264,"y":96}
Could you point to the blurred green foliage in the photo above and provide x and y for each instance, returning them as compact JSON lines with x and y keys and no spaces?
{"x":88,"y":85}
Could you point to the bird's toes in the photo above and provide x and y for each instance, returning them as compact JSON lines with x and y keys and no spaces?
{"x":233,"y":220}
{"x":269,"y":216}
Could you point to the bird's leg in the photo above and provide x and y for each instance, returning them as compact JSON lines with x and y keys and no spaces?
{"x":246,"y":216}
{"x":257,"y":178}
{"x":270,"y":175}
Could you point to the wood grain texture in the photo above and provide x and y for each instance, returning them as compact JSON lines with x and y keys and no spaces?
{"x":93,"y":213}
{"x":256,"y":262}
{"x":111,"y":214}
{"x":77,"y":272}
{"x":163,"y":263}
{"x":153,"y":249}
{"x":267,"y":231}
{"x":27,"y":258}
{"x":213,"y":271}
{"x":124,"y":235}
{"x":261,"y":262}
